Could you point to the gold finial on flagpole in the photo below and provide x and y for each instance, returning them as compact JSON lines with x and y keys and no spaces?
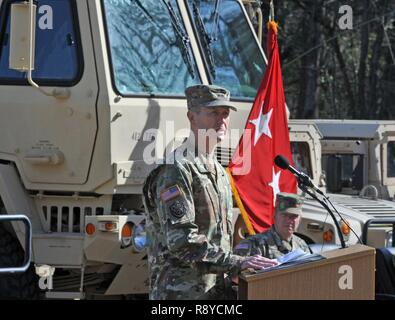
{"x":272,"y":24}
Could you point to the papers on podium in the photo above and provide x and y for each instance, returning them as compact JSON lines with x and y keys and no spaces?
{"x":293,"y":258}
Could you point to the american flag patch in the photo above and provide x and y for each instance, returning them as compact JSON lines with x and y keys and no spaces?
{"x":170,"y":193}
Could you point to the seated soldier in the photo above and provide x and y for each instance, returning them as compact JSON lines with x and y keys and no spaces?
{"x":279,"y":239}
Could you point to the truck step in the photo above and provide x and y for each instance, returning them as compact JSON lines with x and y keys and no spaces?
{"x":64,"y":295}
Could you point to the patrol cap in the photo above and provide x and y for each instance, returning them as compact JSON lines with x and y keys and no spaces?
{"x":209,"y":96}
{"x":289,"y":203}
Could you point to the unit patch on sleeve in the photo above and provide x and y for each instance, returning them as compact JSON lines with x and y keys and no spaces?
{"x":178,"y":208}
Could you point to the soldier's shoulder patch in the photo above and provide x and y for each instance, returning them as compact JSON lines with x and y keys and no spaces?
{"x":178,"y":208}
{"x":170,"y":193}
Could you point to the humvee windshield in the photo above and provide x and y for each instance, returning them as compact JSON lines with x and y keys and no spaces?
{"x":351,"y":169}
{"x":301,"y":157}
{"x":151,"y":53}
{"x":391,"y":159}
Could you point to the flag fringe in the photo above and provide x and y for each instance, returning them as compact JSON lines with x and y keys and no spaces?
{"x":240,"y":205}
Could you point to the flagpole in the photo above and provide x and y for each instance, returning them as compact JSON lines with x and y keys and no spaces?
{"x":272,"y":23}
{"x":269,"y":98}
{"x":240,"y":205}
{"x":271,"y":15}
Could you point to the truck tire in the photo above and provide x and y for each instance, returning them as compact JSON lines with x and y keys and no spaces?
{"x":18,"y":285}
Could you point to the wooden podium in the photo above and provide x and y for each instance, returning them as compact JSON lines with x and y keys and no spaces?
{"x":344,"y":274}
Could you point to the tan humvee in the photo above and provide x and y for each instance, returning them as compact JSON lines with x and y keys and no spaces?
{"x":354,"y":164}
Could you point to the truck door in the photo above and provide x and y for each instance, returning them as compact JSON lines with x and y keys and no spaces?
{"x":50,"y":139}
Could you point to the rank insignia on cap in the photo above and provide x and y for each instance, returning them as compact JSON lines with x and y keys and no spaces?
{"x":170,"y":193}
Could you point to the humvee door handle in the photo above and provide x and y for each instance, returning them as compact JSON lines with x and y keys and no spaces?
{"x":314,"y":226}
{"x":47,"y":158}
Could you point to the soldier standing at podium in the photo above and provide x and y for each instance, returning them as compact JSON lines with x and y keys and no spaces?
{"x":280,"y":238}
{"x":189,"y":210}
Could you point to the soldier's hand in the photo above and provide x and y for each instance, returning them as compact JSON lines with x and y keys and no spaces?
{"x":257,"y":262}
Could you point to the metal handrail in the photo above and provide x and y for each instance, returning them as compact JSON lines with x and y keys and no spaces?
{"x":376,"y":222}
{"x":28,"y":242}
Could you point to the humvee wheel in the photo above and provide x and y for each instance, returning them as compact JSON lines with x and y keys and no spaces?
{"x":19,"y":285}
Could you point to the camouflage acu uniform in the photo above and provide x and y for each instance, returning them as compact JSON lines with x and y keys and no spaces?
{"x":269,"y":244}
{"x":189,"y":228}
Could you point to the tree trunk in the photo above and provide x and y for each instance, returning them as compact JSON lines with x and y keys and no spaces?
{"x":361,"y":108}
{"x":374,"y":72}
{"x":344,"y":71}
{"x":309,"y":72}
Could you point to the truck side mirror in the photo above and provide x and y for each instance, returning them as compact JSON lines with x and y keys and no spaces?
{"x":22,"y":36}
{"x":334,"y":173}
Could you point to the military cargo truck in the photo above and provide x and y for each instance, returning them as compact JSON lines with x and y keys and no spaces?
{"x":91,"y":98}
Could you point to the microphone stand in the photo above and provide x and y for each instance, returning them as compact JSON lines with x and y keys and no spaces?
{"x":303,"y":187}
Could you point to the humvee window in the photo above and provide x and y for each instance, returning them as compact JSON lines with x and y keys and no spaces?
{"x":149,"y":47}
{"x":233,"y":57}
{"x":57,"y":45}
{"x":391,"y":159}
{"x":301,"y":157}
{"x":351,"y":169}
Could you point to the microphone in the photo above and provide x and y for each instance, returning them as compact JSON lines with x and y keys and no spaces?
{"x":283,"y":163}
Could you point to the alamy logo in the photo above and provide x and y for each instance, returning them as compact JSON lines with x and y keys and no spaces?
{"x":345,"y":21}
{"x":46,"y":19}
{"x":45,"y":273}
{"x":345,"y":281}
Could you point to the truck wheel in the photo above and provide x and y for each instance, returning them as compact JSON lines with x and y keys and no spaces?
{"x":18,"y":285}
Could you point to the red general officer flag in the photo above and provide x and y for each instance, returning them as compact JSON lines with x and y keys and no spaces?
{"x":254,"y":173}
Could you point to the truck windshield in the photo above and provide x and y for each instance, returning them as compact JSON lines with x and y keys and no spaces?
{"x":149,"y":47}
{"x":232,"y":55}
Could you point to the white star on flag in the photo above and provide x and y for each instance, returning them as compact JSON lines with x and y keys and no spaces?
{"x":262,"y":124}
{"x":275,"y":184}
